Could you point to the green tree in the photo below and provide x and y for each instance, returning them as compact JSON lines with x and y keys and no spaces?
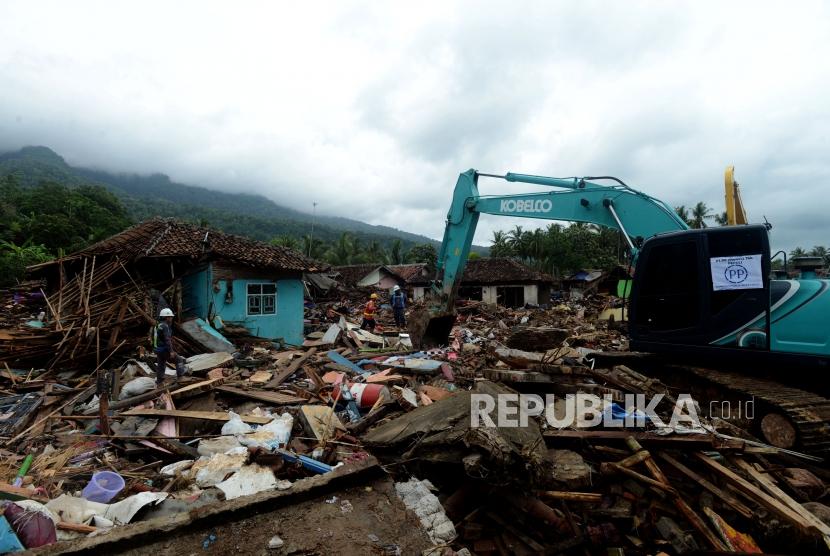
{"x":395,"y":255}
{"x":423,"y":253}
{"x":340,"y":252}
{"x":500,"y":246}
{"x":821,"y":251}
{"x":313,"y":248}
{"x":683,"y":213}
{"x":798,"y":252}
{"x":15,"y":258}
{"x":374,"y":253}
{"x":289,"y":242}
{"x":700,"y":214}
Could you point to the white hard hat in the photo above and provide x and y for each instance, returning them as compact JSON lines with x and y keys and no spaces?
{"x":396,"y":288}
{"x":166,"y":312}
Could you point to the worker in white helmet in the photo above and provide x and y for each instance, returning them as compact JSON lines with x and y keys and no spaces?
{"x":398,"y":301}
{"x":163,"y":347}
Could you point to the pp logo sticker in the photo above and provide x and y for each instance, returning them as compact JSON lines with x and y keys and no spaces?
{"x":736,"y":274}
{"x":742,"y":272}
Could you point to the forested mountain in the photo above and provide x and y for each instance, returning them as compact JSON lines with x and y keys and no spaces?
{"x":151,"y":195}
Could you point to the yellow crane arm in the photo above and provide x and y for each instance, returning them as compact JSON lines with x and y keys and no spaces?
{"x":735,"y":213}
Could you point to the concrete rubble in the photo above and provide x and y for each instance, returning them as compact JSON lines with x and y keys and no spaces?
{"x":271,"y":423}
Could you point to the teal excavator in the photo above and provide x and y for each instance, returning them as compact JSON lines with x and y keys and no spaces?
{"x":703,"y":297}
{"x":701,"y":291}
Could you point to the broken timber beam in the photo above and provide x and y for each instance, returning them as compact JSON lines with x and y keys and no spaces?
{"x":700,"y":440}
{"x":680,"y":503}
{"x":291,"y":369}
{"x":262,"y":396}
{"x":202,"y":415}
{"x":726,"y":497}
{"x":772,"y":504}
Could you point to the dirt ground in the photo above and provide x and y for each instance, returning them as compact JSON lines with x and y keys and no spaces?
{"x":364,"y":520}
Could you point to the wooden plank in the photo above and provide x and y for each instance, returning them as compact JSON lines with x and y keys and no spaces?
{"x":357,"y":341}
{"x":263,"y":396}
{"x":726,"y":497}
{"x":185,"y":414}
{"x":689,"y":513}
{"x":767,"y":484}
{"x":758,"y":495}
{"x":76,"y":527}
{"x":649,"y":437}
{"x":291,"y":369}
{"x":197,"y":388}
{"x":260,"y":377}
{"x":11,"y":492}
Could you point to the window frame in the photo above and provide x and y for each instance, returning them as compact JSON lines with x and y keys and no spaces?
{"x":261,"y":296}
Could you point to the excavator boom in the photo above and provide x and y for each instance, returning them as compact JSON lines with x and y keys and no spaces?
{"x":617,"y":206}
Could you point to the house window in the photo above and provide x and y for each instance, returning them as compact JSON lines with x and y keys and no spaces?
{"x":262,"y":299}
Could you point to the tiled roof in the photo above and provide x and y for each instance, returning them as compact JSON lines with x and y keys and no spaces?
{"x":410,"y":272}
{"x":352,"y":274}
{"x":163,"y":237}
{"x":495,"y":271}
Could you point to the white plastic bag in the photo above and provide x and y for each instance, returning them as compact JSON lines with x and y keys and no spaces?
{"x":235,"y":425}
{"x":272,"y":435}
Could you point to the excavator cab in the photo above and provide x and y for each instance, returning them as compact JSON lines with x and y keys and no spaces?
{"x":702,"y":289}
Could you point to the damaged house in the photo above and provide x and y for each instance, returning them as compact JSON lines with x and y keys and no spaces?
{"x":499,"y":281}
{"x":202,"y":274}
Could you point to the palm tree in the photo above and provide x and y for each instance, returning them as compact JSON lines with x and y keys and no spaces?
{"x":514,"y":236}
{"x":500,"y":245}
{"x":683,"y":213}
{"x":340,"y":253}
{"x":312,"y":247}
{"x":700,"y":213}
{"x":374,"y":253}
{"x":395,"y":253}
{"x":722,"y":219}
{"x":286,"y":241}
{"x":821,"y":251}
{"x":798,"y":252}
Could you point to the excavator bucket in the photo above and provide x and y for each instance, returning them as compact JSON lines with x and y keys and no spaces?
{"x":430,"y":329}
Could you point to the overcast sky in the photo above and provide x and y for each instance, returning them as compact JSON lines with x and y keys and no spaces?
{"x":372,"y":109}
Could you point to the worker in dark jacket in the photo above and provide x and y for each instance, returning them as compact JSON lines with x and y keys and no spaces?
{"x":163,"y":347}
{"x":369,"y":314}
{"x":399,"y":306}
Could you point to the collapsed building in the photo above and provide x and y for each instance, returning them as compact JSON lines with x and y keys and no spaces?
{"x":499,"y":281}
{"x":104,"y":299}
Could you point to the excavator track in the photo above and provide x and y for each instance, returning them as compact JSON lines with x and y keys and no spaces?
{"x":807,"y":412}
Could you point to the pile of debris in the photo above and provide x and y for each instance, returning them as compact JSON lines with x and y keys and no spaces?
{"x":101,"y":458}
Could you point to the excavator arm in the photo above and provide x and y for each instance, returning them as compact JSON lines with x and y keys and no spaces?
{"x":617,"y":206}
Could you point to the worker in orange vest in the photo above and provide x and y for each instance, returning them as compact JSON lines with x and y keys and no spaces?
{"x":369,"y":314}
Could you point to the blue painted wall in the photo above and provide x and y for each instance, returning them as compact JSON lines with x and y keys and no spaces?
{"x":286,"y":324}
